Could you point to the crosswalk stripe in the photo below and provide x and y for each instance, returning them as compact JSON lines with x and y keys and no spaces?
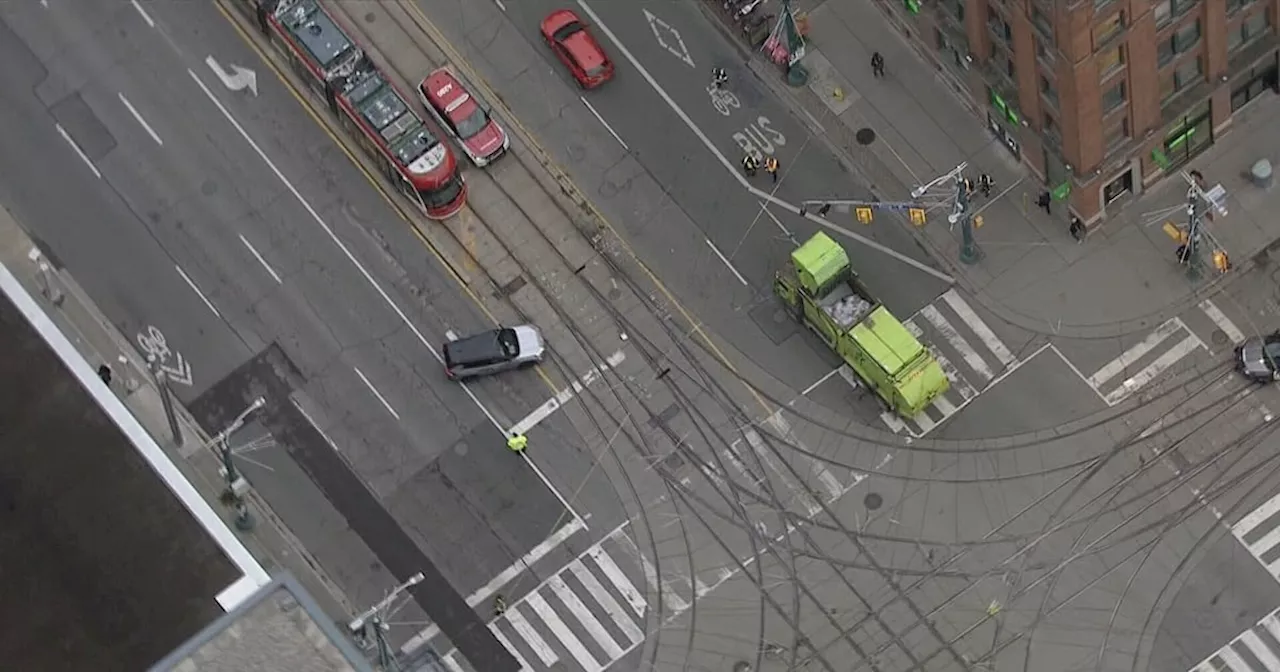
{"x":515,"y":653}
{"x":1164,"y":361}
{"x":562,"y":632}
{"x":971,"y":356}
{"x":988,"y":337}
{"x":619,"y":580}
{"x":1233,"y":659}
{"x":1256,"y":517}
{"x":1260,"y":650}
{"x":944,"y":406}
{"x":1272,"y":625}
{"x":828,"y":480}
{"x":895,"y":424}
{"x":530,"y":636}
{"x":675,"y":603}
{"x":605,"y":600}
{"x":588,"y":620}
{"x":451,"y":664}
{"x":1265,"y":544}
{"x":1224,"y":323}
{"x":924,"y":422}
{"x":1138,"y":351}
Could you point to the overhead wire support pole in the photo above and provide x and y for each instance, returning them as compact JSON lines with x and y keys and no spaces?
{"x":961,"y":191}
{"x":1201,"y":205}
{"x":370,"y":627}
{"x":236,"y":485}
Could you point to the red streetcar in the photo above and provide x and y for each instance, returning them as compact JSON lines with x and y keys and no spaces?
{"x":367,"y":104}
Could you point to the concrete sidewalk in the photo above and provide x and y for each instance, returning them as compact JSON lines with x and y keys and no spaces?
{"x":1123,"y":278}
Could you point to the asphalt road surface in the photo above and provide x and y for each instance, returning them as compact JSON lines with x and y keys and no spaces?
{"x":669,"y":188}
{"x":104,"y":567}
{"x":194,"y":242}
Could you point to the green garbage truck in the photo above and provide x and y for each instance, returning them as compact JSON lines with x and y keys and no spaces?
{"x":821,"y":289}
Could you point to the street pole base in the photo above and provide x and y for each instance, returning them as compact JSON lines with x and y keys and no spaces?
{"x":970,"y":254}
{"x":244,"y":521}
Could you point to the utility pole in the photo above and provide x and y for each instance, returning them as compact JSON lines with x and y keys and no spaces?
{"x":370,"y":628}
{"x":1201,"y":204}
{"x":961,"y":193}
{"x":166,"y":397}
{"x":236,"y":485}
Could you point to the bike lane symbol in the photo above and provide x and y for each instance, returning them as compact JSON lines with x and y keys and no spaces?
{"x":155,"y":346}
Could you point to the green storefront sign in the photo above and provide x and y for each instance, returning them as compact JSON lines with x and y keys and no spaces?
{"x":1005,"y":108}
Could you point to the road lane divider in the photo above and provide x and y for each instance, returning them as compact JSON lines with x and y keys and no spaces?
{"x":604,"y":123}
{"x":563,"y":396}
{"x":143,"y":122}
{"x":385,"y":404}
{"x":261,"y":260}
{"x":195,"y":288}
{"x":79,"y":152}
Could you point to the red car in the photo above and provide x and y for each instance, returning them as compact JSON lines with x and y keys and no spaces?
{"x":577,"y":49}
{"x":462,"y":117}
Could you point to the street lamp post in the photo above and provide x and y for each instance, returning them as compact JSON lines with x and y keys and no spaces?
{"x":236,"y":485}
{"x":970,"y":253}
{"x":370,"y":628}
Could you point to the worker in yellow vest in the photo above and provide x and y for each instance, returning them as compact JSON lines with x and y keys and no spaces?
{"x":517,"y":442}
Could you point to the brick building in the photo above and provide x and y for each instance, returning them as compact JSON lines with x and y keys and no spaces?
{"x":1102,"y":98}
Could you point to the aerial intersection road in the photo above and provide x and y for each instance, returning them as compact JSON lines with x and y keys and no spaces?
{"x":1046,"y":518}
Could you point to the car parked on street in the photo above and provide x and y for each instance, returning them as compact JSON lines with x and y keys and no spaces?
{"x":1259,"y":358}
{"x":568,"y":37}
{"x":463,"y":118}
{"x":493,"y":351}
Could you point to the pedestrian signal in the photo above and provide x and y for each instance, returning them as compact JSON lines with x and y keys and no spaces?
{"x":863,"y":215}
{"x":917,"y":216}
{"x":977,"y":221}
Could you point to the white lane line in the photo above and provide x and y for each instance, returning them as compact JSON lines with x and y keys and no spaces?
{"x":988,"y":337}
{"x":506,"y":643}
{"x":564,"y":396}
{"x":1138,"y":351}
{"x":1164,"y":361}
{"x":604,"y":123}
{"x":778,"y":222}
{"x":413,"y":328}
{"x":619,"y":579}
{"x":145,"y":17}
{"x":261,"y":260}
{"x":79,"y":152}
{"x":191,"y":283}
{"x":606,"y":601}
{"x":451,"y":335}
{"x":500,"y":5}
{"x":820,"y":381}
{"x":376,"y":393}
{"x":137,"y":115}
{"x":971,"y":356}
{"x":1224,"y":323}
{"x":531,"y":637}
{"x":504,"y":577}
{"x":725,"y":259}
{"x":562,"y":632}
{"x":588,"y":620}
{"x":732,"y":168}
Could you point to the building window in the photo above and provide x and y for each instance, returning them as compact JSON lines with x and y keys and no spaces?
{"x":1042,"y":23}
{"x":1118,"y":187}
{"x":1116,"y":135}
{"x":1110,"y":62}
{"x":1249,"y":30}
{"x":1259,"y":80}
{"x":999,"y":27}
{"x":1101,"y":4}
{"x":1184,"y":76}
{"x":1234,"y":6}
{"x":1108,"y":29}
{"x":1048,"y":90}
{"x":1169,"y":10}
{"x":1180,"y":42}
{"x":1113,"y":97}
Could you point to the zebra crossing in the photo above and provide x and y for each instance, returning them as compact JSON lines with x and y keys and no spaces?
{"x":970,"y":353}
{"x":1161,"y":349}
{"x":1254,"y":650}
{"x":1259,"y":532}
{"x":582,"y":618}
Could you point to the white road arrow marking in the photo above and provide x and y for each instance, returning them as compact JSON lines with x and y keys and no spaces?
{"x":178,"y":371}
{"x":676,"y":44}
{"x":237,"y":79}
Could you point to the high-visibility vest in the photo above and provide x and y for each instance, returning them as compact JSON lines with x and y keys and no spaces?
{"x":517,"y":442}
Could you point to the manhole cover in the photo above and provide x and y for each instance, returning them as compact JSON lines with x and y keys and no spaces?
{"x":461,"y":448}
{"x":370,"y":17}
{"x":872,"y":501}
{"x":1219,"y":337}
{"x":865,"y":136}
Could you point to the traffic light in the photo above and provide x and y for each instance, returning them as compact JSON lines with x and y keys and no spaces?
{"x":863,"y":215}
{"x":917,"y":216}
{"x":1220,"y":261}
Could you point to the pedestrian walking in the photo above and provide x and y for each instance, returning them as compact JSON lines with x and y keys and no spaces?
{"x":517,"y":443}
{"x":750,"y":164}
{"x":104,"y":372}
{"x":985,"y":183}
{"x":1043,"y":201}
{"x":771,"y":167}
{"x":499,"y":605}
{"x":1077,"y":229}
{"x":877,"y":65}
